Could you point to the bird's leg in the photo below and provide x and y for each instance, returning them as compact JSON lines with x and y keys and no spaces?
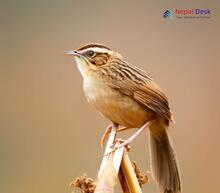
{"x":123,"y":129}
{"x":106,"y":134}
{"x":134,"y":136}
{"x":108,"y":131}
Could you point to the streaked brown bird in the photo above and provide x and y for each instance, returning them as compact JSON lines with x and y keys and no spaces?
{"x":128,"y":97}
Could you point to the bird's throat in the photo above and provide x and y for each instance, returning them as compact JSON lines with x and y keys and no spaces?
{"x":83,"y":67}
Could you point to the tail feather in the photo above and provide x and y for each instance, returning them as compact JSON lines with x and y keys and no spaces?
{"x":163,"y":162}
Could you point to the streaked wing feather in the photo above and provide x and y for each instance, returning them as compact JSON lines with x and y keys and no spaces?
{"x":148,"y":94}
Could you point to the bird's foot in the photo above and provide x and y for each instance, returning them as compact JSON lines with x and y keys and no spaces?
{"x":128,"y":141}
{"x":117,"y":145}
{"x":108,"y":131}
{"x":120,"y":143}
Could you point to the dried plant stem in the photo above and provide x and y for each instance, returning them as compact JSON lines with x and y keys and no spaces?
{"x":116,"y":163}
{"x":108,"y":177}
{"x":130,"y":175}
{"x":123,"y":182}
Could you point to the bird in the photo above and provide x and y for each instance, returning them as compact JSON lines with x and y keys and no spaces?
{"x":130,"y":98}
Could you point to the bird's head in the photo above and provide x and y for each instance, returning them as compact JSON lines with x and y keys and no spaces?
{"x":92,"y":56}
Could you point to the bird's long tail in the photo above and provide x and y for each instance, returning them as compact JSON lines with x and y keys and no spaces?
{"x":163,"y":160}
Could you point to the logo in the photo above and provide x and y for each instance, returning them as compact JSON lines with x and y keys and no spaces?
{"x":188,"y":13}
{"x":167,"y":14}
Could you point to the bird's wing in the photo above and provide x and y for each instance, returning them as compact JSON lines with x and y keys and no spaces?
{"x":146,"y":93}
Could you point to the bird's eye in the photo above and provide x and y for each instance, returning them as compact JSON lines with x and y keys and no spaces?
{"x":90,"y":53}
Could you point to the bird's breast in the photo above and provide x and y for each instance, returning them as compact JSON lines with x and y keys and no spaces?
{"x":113,"y":105}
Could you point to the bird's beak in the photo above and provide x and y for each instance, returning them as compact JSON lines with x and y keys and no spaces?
{"x":72,"y":52}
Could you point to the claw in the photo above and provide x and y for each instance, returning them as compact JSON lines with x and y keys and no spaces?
{"x":121,"y":143}
{"x":114,"y":146}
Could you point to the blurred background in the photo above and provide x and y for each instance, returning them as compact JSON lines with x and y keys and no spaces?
{"x":50,"y":135}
